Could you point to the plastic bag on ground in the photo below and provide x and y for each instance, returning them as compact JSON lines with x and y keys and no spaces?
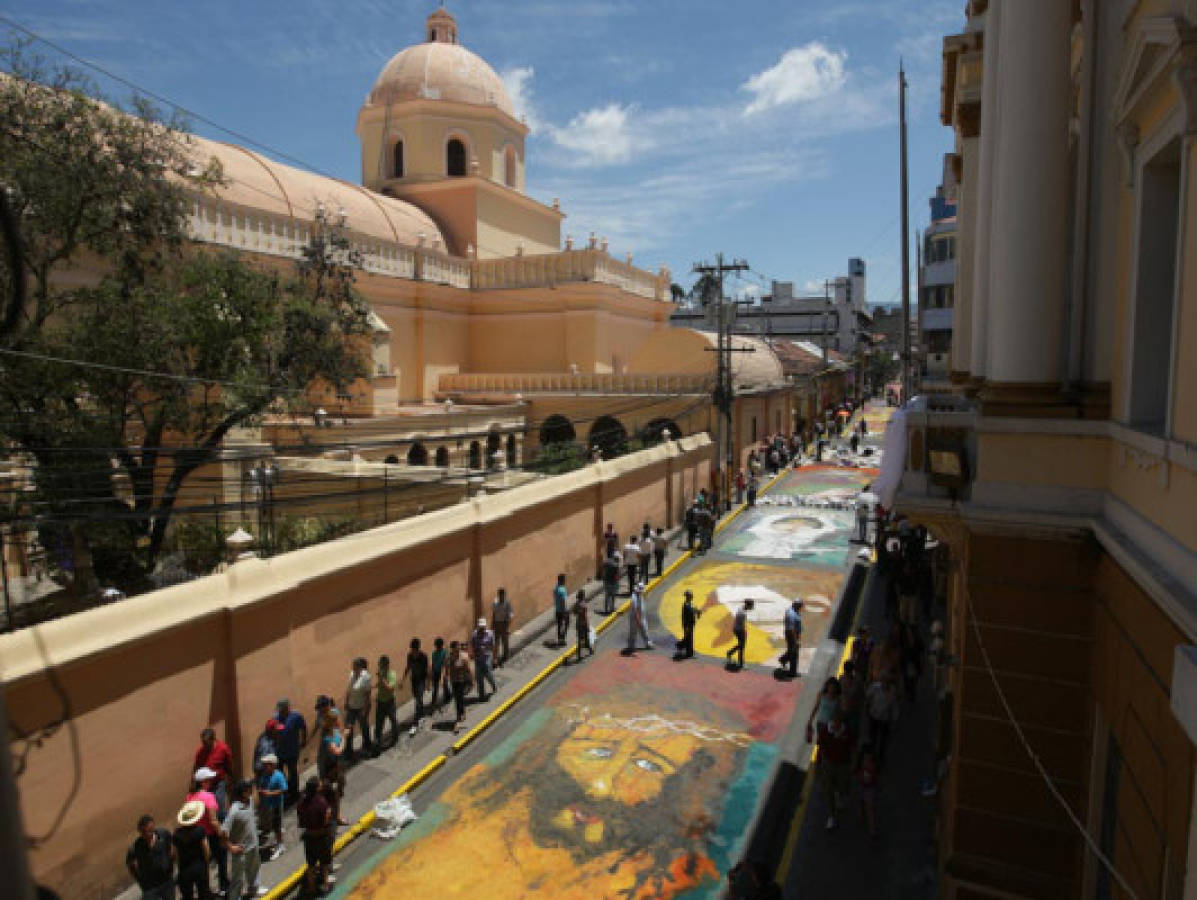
{"x":391,"y":815}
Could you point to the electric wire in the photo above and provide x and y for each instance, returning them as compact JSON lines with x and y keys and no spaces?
{"x":1038,"y":763}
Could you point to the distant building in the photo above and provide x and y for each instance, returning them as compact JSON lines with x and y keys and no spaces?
{"x":937,"y":281}
{"x":840,"y":312}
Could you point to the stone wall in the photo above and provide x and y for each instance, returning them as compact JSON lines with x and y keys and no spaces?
{"x":143,"y":677}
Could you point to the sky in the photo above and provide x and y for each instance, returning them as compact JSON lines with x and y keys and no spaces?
{"x":765,"y":129}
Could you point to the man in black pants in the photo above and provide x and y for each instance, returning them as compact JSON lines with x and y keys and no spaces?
{"x":690,"y":614}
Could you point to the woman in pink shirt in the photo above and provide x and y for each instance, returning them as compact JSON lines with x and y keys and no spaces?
{"x":204,"y":778}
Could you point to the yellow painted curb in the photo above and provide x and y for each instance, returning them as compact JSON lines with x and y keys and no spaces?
{"x":356,"y":830}
{"x":787,"y":856}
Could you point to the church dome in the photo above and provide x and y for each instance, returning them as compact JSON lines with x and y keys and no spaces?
{"x":440,"y":69}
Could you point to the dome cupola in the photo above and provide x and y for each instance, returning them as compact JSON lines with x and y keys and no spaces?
{"x":442,"y":27}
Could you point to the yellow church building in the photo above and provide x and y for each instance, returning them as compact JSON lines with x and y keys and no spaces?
{"x":477,"y":298}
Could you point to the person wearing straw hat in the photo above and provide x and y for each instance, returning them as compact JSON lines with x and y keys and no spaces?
{"x":636,"y":622}
{"x":272,"y":792}
{"x":482,"y":649}
{"x":191,"y":851}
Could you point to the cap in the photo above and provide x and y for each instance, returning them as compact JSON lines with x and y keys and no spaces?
{"x":192,"y":812}
{"x":482,"y":623}
{"x":203,"y":773}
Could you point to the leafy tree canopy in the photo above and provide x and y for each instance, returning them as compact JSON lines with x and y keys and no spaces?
{"x":129,"y":353}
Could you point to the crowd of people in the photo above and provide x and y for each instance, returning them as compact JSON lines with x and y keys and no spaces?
{"x":856,"y":712}
{"x":228,"y":825}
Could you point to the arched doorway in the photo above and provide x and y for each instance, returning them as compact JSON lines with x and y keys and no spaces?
{"x":493,"y":443}
{"x":653,"y":432}
{"x":442,"y":457}
{"x":392,"y":460}
{"x":512,"y":453}
{"x":417,"y":455}
{"x":475,"y":455}
{"x":556,"y":429}
{"x":608,"y":434}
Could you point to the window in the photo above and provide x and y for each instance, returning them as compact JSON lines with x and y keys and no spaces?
{"x":1155,"y":290}
{"x":510,"y":165}
{"x":398,"y":159}
{"x":455,"y":158}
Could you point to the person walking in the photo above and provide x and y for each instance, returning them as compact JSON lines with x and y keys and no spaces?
{"x":482,"y":648}
{"x":239,"y":833}
{"x":610,"y":540}
{"x":631,"y":561}
{"x":835,"y":754}
{"x":824,"y":710}
{"x":314,"y":816}
{"x":648,"y":547}
{"x":357,"y":707}
{"x":868,"y":775}
{"x":690,"y":617}
{"x":740,"y":630}
{"x":582,"y":624}
{"x":459,"y":679}
{"x":882,"y":706}
{"x":329,"y":758}
{"x":561,"y":609}
{"x":216,"y":755}
{"x":204,"y":779}
{"x":793,"y":636}
{"x":192,"y":852}
{"x":863,"y":511}
{"x":417,"y":668}
{"x":272,"y":792}
{"x":706,"y":529}
{"x":611,"y":573}
{"x":741,"y":485}
{"x":441,"y":689}
{"x":660,"y":547}
{"x":151,"y":860}
{"x":288,"y":743}
{"x":386,"y":704}
{"x":753,"y":487}
{"x":690,"y":522}
{"x":502,"y":614}
{"x":636,"y":621}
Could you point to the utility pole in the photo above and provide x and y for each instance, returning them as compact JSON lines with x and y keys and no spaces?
{"x":919,"y":347}
{"x":724,"y":393}
{"x":826,"y":311}
{"x":906,"y":380}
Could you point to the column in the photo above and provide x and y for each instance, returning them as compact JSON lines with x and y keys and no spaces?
{"x":966,"y":247}
{"x":1028,"y":242}
{"x":985,"y":187}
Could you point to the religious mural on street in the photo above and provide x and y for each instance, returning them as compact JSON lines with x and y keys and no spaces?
{"x":637,"y":779}
{"x":817,"y":537}
{"x":721,"y":587}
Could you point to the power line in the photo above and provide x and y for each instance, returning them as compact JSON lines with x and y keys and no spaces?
{"x":1035,"y":760}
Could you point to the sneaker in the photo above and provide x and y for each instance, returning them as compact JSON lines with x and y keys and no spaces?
{"x":929,"y":789}
{"x":649,"y":645}
{"x":276,"y":852}
{"x":259,"y":891}
{"x":330,"y":879}
{"x":411,"y":732}
{"x":830,"y":823}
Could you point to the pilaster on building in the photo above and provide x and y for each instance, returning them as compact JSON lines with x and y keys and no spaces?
{"x":1058,"y":461}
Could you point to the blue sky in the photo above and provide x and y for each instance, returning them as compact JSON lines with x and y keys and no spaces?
{"x":678,"y":128}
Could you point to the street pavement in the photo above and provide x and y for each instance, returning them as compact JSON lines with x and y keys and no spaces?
{"x":637,"y":773}
{"x":629,"y":774}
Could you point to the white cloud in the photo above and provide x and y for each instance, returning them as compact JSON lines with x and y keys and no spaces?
{"x":518,"y":82}
{"x":600,"y":136}
{"x":803,"y":74}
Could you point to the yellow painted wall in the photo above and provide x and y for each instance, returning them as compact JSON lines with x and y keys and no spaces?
{"x":1059,"y":460}
{"x":505,"y":222}
{"x":1184,"y":400}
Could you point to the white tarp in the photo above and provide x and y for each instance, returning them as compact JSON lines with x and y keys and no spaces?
{"x":893,"y":460}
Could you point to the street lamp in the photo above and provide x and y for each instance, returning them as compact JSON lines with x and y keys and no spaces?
{"x":262,"y":479}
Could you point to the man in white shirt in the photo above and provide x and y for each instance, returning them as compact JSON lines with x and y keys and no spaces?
{"x":631,"y":560}
{"x":357,"y":706}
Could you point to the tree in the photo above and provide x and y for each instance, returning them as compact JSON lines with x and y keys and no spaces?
{"x":705,"y":290}
{"x":677,"y":293}
{"x":120,"y":385}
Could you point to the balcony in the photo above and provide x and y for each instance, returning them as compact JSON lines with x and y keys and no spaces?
{"x":461,"y":384}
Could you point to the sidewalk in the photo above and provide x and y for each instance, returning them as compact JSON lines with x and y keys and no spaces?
{"x":900,"y":863}
{"x":369,"y":781}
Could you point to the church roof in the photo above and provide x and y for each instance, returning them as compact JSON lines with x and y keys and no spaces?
{"x":439,"y":70}
{"x":260,"y":183}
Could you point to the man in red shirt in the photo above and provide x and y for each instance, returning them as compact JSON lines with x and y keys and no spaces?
{"x":216,"y":755}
